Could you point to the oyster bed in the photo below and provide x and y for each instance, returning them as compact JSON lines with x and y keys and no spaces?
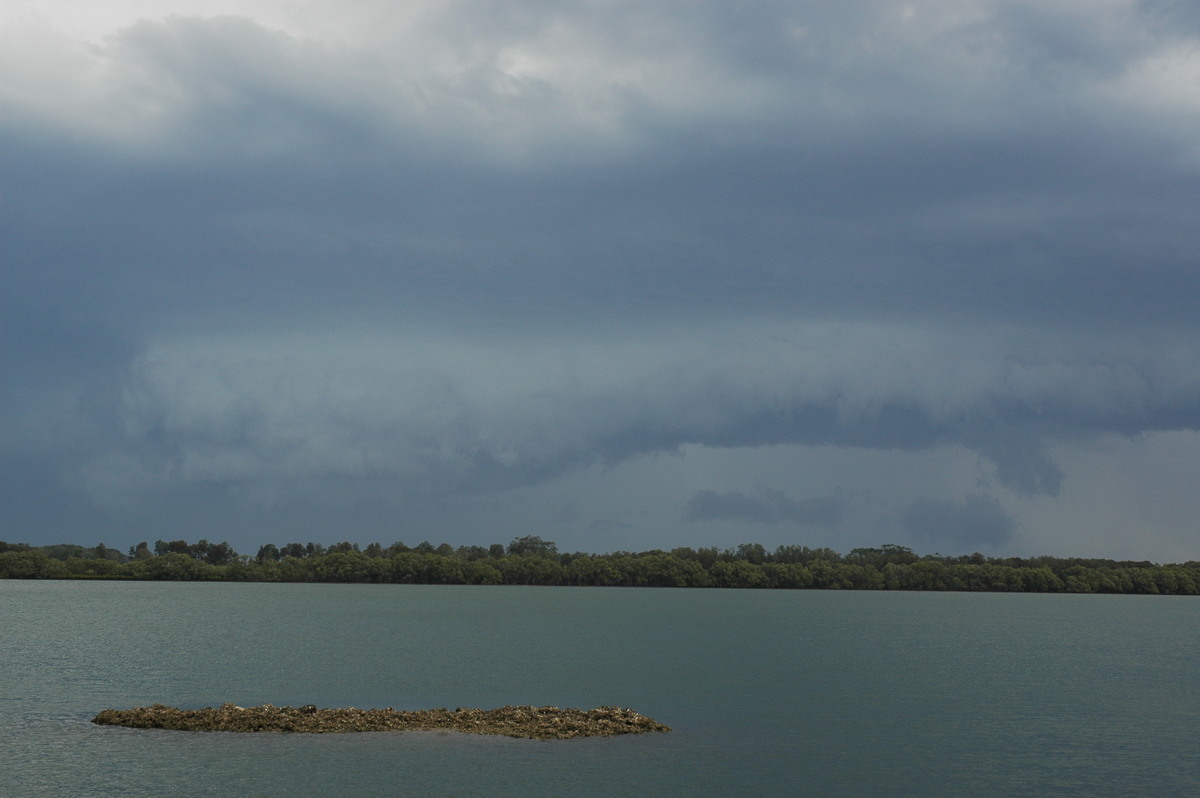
{"x":544,"y":723}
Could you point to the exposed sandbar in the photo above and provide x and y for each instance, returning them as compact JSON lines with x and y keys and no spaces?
{"x":543,"y":723}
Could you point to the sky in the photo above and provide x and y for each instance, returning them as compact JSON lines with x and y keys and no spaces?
{"x":623,"y":275}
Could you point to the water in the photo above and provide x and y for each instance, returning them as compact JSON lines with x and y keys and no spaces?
{"x":801,"y":693}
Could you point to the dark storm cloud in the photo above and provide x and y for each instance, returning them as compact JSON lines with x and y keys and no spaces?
{"x":977,"y":522}
{"x":772,"y":507}
{"x":281,"y":159}
{"x":455,"y":250}
{"x":438,"y":416}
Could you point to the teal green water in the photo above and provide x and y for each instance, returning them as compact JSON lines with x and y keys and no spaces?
{"x":769,"y":692}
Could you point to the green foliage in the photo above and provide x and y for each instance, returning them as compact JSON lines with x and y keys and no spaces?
{"x":28,"y":564}
{"x":479,"y":572}
{"x":739,"y":573}
{"x":530,"y":569}
{"x":269,"y":552}
{"x":530,"y":560}
{"x":591,"y":571}
{"x":533,"y":546}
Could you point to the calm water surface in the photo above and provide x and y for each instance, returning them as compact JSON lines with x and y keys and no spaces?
{"x":798,"y":693}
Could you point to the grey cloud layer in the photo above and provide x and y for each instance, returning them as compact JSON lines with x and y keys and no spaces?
{"x":437,"y":415}
{"x":577,"y":234}
{"x":772,"y":507}
{"x":325,"y":172}
{"x":977,"y":522}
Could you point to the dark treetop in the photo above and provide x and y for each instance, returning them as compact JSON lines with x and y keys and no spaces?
{"x":534,"y":561}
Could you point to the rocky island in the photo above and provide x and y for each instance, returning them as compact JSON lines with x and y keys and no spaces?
{"x":544,"y":723}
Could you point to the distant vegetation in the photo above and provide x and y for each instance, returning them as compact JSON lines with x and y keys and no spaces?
{"x":533,"y":561}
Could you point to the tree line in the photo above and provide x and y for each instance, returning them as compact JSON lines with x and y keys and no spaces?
{"x":531,"y":560}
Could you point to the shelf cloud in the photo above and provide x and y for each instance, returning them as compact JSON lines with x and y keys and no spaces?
{"x":277,"y":269}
